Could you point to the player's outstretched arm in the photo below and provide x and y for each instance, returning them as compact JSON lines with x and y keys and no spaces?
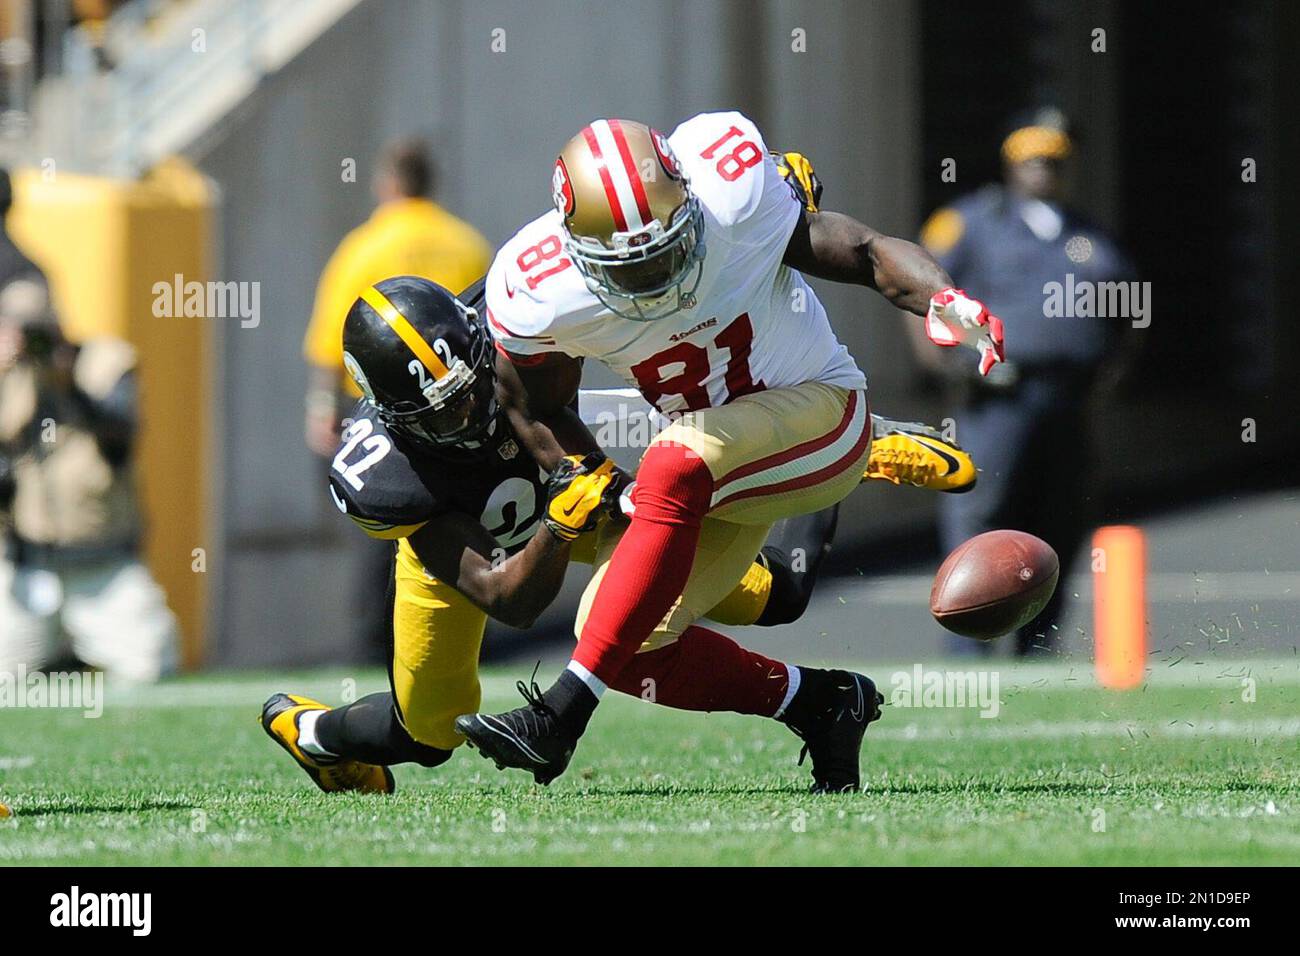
{"x":538,"y":402}
{"x":831,"y":245}
{"x":457,"y":549}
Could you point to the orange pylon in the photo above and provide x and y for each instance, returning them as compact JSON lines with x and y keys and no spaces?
{"x":1119,"y":603}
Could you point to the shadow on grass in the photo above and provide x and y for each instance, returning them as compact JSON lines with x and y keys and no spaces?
{"x":93,"y":807}
{"x":669,"y":790}
{"x":1057,"y":788}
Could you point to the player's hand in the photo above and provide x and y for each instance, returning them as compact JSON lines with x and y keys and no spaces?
{"x":797,"y":170}
{"x":578,"y":492}
{"x":954,"y":305}
{"x":321,"y":429}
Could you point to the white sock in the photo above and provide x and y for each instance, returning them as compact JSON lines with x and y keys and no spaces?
{"x":791,"y":688}
{"x":594,"y":683}
{"x":307,"y":741}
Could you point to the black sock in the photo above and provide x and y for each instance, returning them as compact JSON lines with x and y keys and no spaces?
{"x":794,"y":552}
{"x":368,"y":730}
{"x":812,"y":701}
{"x":572,"y":701}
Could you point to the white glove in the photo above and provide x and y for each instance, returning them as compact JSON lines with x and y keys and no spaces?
{"x":954,"y":305}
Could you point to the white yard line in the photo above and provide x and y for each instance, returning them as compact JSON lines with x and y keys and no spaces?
{"x":1013,"y":677}
{"x":1060,"y":729}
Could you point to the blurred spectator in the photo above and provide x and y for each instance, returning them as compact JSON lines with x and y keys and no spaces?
{"x":408,"y":234}
{"x":67,"y":501}
{"x":1026,"y":424}
{"x":14,"y":263}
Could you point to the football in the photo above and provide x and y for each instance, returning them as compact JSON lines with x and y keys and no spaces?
{"x":993,"y":584}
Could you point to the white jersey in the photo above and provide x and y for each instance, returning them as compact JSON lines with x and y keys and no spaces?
{"x":756,"y":323}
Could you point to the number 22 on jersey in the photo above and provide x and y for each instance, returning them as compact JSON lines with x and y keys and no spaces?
{"x":374,"y":446}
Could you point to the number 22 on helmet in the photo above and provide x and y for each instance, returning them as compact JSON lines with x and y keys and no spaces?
{"x":423,"y":359}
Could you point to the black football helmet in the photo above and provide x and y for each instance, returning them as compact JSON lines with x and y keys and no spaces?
{"x":424,"y":360}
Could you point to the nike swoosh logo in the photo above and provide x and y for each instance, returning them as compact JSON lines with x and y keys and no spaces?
{"x":856,"y":712}
{"x":953,"y":463}
{"x":501,"y":730}
{"x":510,"y":293}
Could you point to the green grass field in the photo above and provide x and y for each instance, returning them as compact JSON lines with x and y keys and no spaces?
{"x":1188,"y":770}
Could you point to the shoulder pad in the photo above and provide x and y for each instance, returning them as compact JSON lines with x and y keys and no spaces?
{"x":375,"y":484}
{"x":533,"y":289}
{"x":709,"y":155}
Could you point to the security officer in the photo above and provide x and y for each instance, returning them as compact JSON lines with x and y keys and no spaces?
{"x":408,"y":234}
{"x":1026,"y":423}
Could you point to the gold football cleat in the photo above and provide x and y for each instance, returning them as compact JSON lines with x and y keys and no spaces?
{"x":280,"y":715}
{"x":909,"y":453}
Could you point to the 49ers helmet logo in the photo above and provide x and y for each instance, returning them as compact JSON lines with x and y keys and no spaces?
{"x":562,"y":189}
{"x":667,"y":158}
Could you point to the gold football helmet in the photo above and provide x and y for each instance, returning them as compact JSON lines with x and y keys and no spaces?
{"x":632,"y":225}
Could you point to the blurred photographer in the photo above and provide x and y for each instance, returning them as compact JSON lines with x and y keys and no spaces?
{"x":68,"y":506}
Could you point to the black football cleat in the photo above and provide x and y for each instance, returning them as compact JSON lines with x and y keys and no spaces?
{"x":527,"y":738}
{"x":831,"y":722}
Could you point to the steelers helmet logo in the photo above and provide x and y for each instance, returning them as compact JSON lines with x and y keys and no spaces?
{"x":667,"y":158}
{"x":358,"y":376}
{"x":562,"y":189}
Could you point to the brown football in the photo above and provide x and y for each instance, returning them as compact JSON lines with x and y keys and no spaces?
{"x":994,"y":583}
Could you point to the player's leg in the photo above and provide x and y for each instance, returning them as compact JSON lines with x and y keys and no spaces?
{"x":540,"y":736}
{"x":702,"y":670}
{"x":690,"y":667}
{"x":370,"y":730}
{"x":902,"y":453}
{"x":686,"y":666}
{"x":777,"y":587}
{"x":437,"y":634}
{"x":764,"y":457}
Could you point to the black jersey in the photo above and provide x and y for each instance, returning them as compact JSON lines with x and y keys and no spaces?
{"x":391,"y":487}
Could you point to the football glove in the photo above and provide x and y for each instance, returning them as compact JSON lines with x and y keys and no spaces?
{"x":579,"y":491}
{"x":954,"y":305}
{"x":797,"y":170}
